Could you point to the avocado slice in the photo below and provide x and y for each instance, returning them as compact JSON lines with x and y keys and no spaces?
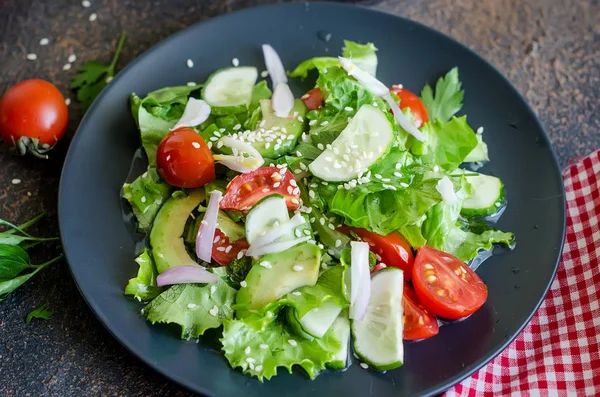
{"x":168,"y":249}
{"x":267,"y":284}
{"x":288,"y":129}
{"x":233,"y":231}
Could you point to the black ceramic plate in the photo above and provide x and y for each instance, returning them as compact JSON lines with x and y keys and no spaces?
{"x":100,"y":249}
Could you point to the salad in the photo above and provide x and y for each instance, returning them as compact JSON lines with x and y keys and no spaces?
{"x":302,"y":229}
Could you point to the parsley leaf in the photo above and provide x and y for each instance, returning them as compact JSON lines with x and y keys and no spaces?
{"x":448,"y":97}
{"x":92,"y":77}
{"x":40,"y":312}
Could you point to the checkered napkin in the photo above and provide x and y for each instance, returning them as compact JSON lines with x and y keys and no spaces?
{"x":558,"y":352}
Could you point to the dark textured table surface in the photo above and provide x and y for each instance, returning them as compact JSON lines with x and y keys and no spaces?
{"x":549,"y":49}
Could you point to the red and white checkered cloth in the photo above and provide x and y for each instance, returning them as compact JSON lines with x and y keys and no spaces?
{"x":558,"y":352}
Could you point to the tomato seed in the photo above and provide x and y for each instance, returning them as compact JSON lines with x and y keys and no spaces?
{"x":431,"y":279}
{"x":441,"y":292}
{"x":421,"y":322}
{"x":428,"y":266}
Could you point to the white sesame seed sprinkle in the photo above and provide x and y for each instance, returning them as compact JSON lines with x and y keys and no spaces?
{"x":191,"y":305}
{"x":258,"y":368}
{"x":436,"y":168}
{"x":264,"y":73}
{"x":44,"y":41}
{"x":297,"y":268}
{"x":324,"y":123}
{"x":213,"y":289}
{"x":266,"y":264}
{"x":214,"y":311}
{"x":247,"y":351}
{"x":143,"y":199}
{"x":189,"y":63}
{"x":16,"y":181}
{"x":93,"y":17}
{"x":292,"y":342}
{"x":32,"y":56}
{"x":191,"y":84}
{"x":196,"y":145}
{"x":338,"y":243}
{"x":243,"y":284}
{"x":68,"y":101}
{"x":312,"y":122}
{"x":66,"y":66}
{"x":364,"y":366}
{"x":264,"y":346}
{"x":348,"y":109}
{"x":331,"y":226}
{"x":72,"y":58}
{"x":237,"y":127}
{"x":403,"y":184}
{"x":235,"y":62}
{"x":86,"y":3}
{"x":480,"y":130}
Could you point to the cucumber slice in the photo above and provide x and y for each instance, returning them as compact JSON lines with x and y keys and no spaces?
{"x":480,"y":153}
{"x":487,"y":195}
{"x":291,"y":317}
{"x":229,"y":90}
{"x":317,"y":321}
{"x":364,"y":140}
{"x":263,"y":216}
{"x":378,"y":336}
{"x":341,"y":331}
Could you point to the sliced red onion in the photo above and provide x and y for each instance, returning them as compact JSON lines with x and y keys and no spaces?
{"x":360,"y":280}
{"x":274,"y":65}
{"x":282,"y":100}
{"x":273,"y":234}
{"x":238,"y":162}
{"x":446,"y":188}
{"x":206,"y":231}
{"x":186,"y":274}
{"x":402,"y":120}
{"x":379,"y":89}
{"x":277,"y":247}
{"x":372,"y":84}
{"x":196,"y":112}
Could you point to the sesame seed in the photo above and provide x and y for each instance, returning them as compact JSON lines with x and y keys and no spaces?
{"x":264,"y":73}
{"x":297,"y":171}
{"x":363,"y":365}
{"x":300,"y":119}
{"x":324,"y":183}
{"x":93,"y":17}
{"x":324,"y":123}
{"x":247,"y":351}
{"x":267,"y":145}
{"x":16,"y":181}
{"x":258,"y":368}
{"x":243,"y":284}
{"x":219,"y":145}
{"x":44,"y":41}
{"x":108,"y":79}
{"x":297,"y":268}
{"x":480,"y":130}
{"x":338,"y":243}
{"x":86,"y":3}
{"x":436,"y":168}
{"x":312,"y":122}
{"x":322,"y":221}
{"x":213,"y":138}
{"x":66,"y":66}
{"x":295,"y":201}
{"x":277,"y":184}
{"x":196,"y":145}
{"x":222,"y":129}
{"x":235,"y":62}
{"x":237,"y":127}
{"x":190,"y":63}
{"x":72,"y":58}
{"x":68,"y":101}
{"x":398,"y":166}
{"x":213,"y":289}
{"x":143,"y":199}
{"x":191,"y":305}
{"x":348,"y":109}
{"x":191,"y":84}
{"x":32,"y":56}
{"x":266,"y":264}
{"x":399,"y":175}
{"x":375,"y":104}
{"x":228,"y":249}
{"x":220,"y":249}
{"x":311,"y":193}
{"x":390,"y":187}
{"x":292,"y":342}
{"x":331,"y":226}
{"x":312,"y":220}
{"x":214,"y":311}
{"x":320,"y":246}
{"x":403,"y":184}
{"x":251,"y":365}
{"x":328,"y":146}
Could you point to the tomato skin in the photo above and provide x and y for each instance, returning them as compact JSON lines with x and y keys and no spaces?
{"x":418,"y":322}
{"x":446,"y":286}
{"x":413,"y":102}
{"x":393,"y":249}
{"x":183,"y":159}
{"x":313,"y":99}
{"x":247,"y":189}
{"x":225,"y":258}
{"x":33,"y":109}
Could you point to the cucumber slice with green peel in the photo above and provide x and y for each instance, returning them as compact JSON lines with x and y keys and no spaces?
{"x":229,"y":90}
{"x":487,"y":195}
{"x":291,"y":317}
{"x":265,"y":214}
{"x":317,"y":321}
{"x":365,"y":140}
{"x":341,"y":331}
{"x":479,"y":153}
{"x":378,"y":336}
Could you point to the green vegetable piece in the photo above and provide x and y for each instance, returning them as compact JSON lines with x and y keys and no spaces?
{"x":194,"y":307}
{"x":143,"y":287}
{"x":92,"y":77}
{"x":146,"y":194}
{"x":448,"y":97}
{"x":40,"y":312}
{"x":448,"y":144}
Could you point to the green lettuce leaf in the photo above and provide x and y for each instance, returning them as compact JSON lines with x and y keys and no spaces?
{"x":363,"y":55}
{"x":146,"y":194}
{"x":261,"y":344}
{"x":448,"y":97}
{"x":143,"y":287}
{"x":448,"y":144}
{"x":194,"y":307}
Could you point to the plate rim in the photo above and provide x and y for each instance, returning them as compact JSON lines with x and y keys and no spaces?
{"x":198,"y":388}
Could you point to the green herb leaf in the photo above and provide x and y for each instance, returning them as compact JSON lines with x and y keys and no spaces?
{"x":92,"y":77}
{"x":448,"y":97}
{"x":13,"y":261}
{"x":40,"y":312}
{"x":9,"y":285}
{"x":146,"y":194}
{"x":448,"y":144}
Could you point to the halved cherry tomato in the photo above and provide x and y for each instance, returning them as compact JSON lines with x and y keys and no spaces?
{"x":446,"y":286}
{"x":393,"y":249}
{"x":183,"y":159}
{"x":313,"y":99}
{"x":33,"y":116}
{"x":247,"y":189}
{"x":418,"y":322}
{"x":221,"y":253}
{"x":411,"y":101}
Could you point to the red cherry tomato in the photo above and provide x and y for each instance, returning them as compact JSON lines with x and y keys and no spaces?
{"x":247,"y":189}
{"x":313,"y":99}
{"x":183,"y":159}
{"x":413,"y":102}
{"x":33,"y":116}
{"x":221,"y":253}
{"x":446,"y":286}
{"x":418,"y":322}
{"x":393,"y":249}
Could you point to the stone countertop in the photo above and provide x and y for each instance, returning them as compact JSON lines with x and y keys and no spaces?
{"x":549,"y":49}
